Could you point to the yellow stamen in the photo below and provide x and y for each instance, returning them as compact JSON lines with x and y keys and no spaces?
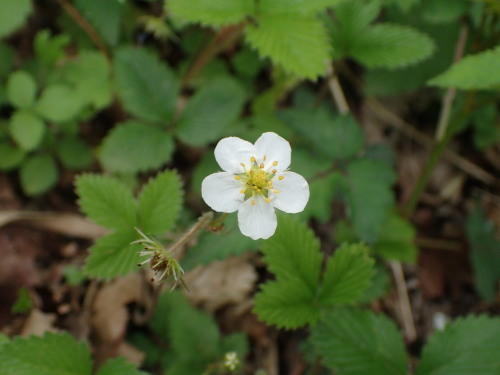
{"x":281,"y":177}
{"x":275,"y":163}
{"x":276,"y":191}
{"x":264,"y":157}
{"x":237,"y":177}
{"x":242,"y":191}
{"x":274,"y":171}
{"x":269,"y":183}
{"x":253,"y":203}
{"x":261,"y":165}
{"x":243,"y":165}
{"x":268,"y":200}
{"x":252,"y":159}
{"x":259,"y":190}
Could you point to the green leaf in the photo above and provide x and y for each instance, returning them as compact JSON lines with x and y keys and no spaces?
{"x":6,"y":59}
{"x":357,"y":342}
{"x":38,"y":174}
{"x":443,"y":11}
{"x":51,"y":354}
{"x":74,"y":153}
{"x":297,"y":43}
{"x":21,"y":89}
{"x":485,"y":253}
{"x":106,"y":201}
{"x":160,"y":202}
{"x":212,"y":109}
{"x":50,"y":49}
{"x":59,"y":103}
{"x":146,"y":85}
{"x":213,"y":13}
{"x":370,"y":196}
{"x":466,"y":346}
{"x":10,"y":156}
{"x":391,"y":46}
{"x":133,"y":147}
{"x":13,"y":15}
{"x":113,"y":255}
{"x":305,"y":7}
{"x":396,"y":240}
{"x":473,"y":72}
{"x":105,"y":16}
{"x":380,"y":285}
{"x":118,"y":366}
{"x":26,"y":129}
{"x":293,"y":255}
{"x":286,"y":304}
{"x":347,"y":276}
{"x":338,"y":137}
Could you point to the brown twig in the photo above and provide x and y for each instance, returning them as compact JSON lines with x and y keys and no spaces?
{"x":407,"y":320}
{"x":336,"y":90}
{"x":85,"y":25}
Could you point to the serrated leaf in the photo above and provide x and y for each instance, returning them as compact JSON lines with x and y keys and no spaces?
{"x":105,"y":16}
{"x":473,"y":72}
{"x":357,"y":342}
{"x":286,"y":304}
{"x":118,"y":366}
{"x":396,"y":240}
{"x":106,"y":201}
{"x":133,"y":147}
{"x":338,"y":137}
{"x":38,"y":174}
{"x":59,"y":103}
{"x":380,"y":285}
{"x":74,"y":153}
{"x":26,"y":129}
{"x":52,"y":354}
{"x":347,"y":276}
{"x":21,"y":89}
{"x":484,"y":254}
{"x":297,"y":43}
{"x":466,"y":346}
{"x":370,"y":196}
{"x":160,"y":202}
{"x":10,"y":156}
{"x":213,"y":108}
{"x":146,"y":86}
{"x":13,"y":15}
{"x":113,"y":255}
{"x":391,"y":46}
{"x":213,"y":13}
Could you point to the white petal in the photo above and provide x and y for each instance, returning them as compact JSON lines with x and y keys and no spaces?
{"x":293,"y":192}
{"x":274,"y":148}
{"x":257,"y":221}
{"x":230,"y":152}
{"x":222,"y":192}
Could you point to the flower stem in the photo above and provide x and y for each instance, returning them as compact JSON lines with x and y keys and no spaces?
{"x":202,"y":222}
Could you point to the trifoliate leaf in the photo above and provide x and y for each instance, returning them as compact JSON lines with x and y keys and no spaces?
{"x":74,"y":153}
{"x":370,"y":196}
{"x":286,"y":304}
{"x":297,"y":43}
{"x":26,"y":129}
{"x":105,"y":16}
{"x":338,"y":137}
{"x":13,"y":15}
{"x":146,"y":85}
{"x":347,"y":276}
{"x":213,"y":108}
{"x":218,"y":246}
{"x":133,"y":147}
{"x":160,"y":201}
{"x":473,"y":72}
{"x":466,"y":346}
{"x":357,"y":342}
{"x":38,"y":174}
{"x":485,"y":253}
{"x":119,"y":366}
{"x":51,"y":354}
{"x":390,"y":46}
{"x":21,"y":89}
{"x":213,"y":13}
{"x":396,"y":240}
{"x":106,"y":201}
{"x":113,"y":255}
{"x":59,"y":103}
{"x":10,"y":156}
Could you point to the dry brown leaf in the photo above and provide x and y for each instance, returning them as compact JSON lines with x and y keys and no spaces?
{"x":221,"y":283}
{"x":38,"y":323}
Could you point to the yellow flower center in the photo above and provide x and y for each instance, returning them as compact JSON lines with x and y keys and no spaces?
{"x":257,"y":181}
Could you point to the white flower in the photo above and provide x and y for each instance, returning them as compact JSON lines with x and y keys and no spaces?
{"x":255,"y":182}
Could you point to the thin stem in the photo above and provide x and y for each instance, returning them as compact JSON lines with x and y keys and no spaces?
{"x":85,"y":25}
{"x":404,"y":302}
{"x":224,"y":38}
{"x":202,"y":221}
{"x":336,"y":90}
